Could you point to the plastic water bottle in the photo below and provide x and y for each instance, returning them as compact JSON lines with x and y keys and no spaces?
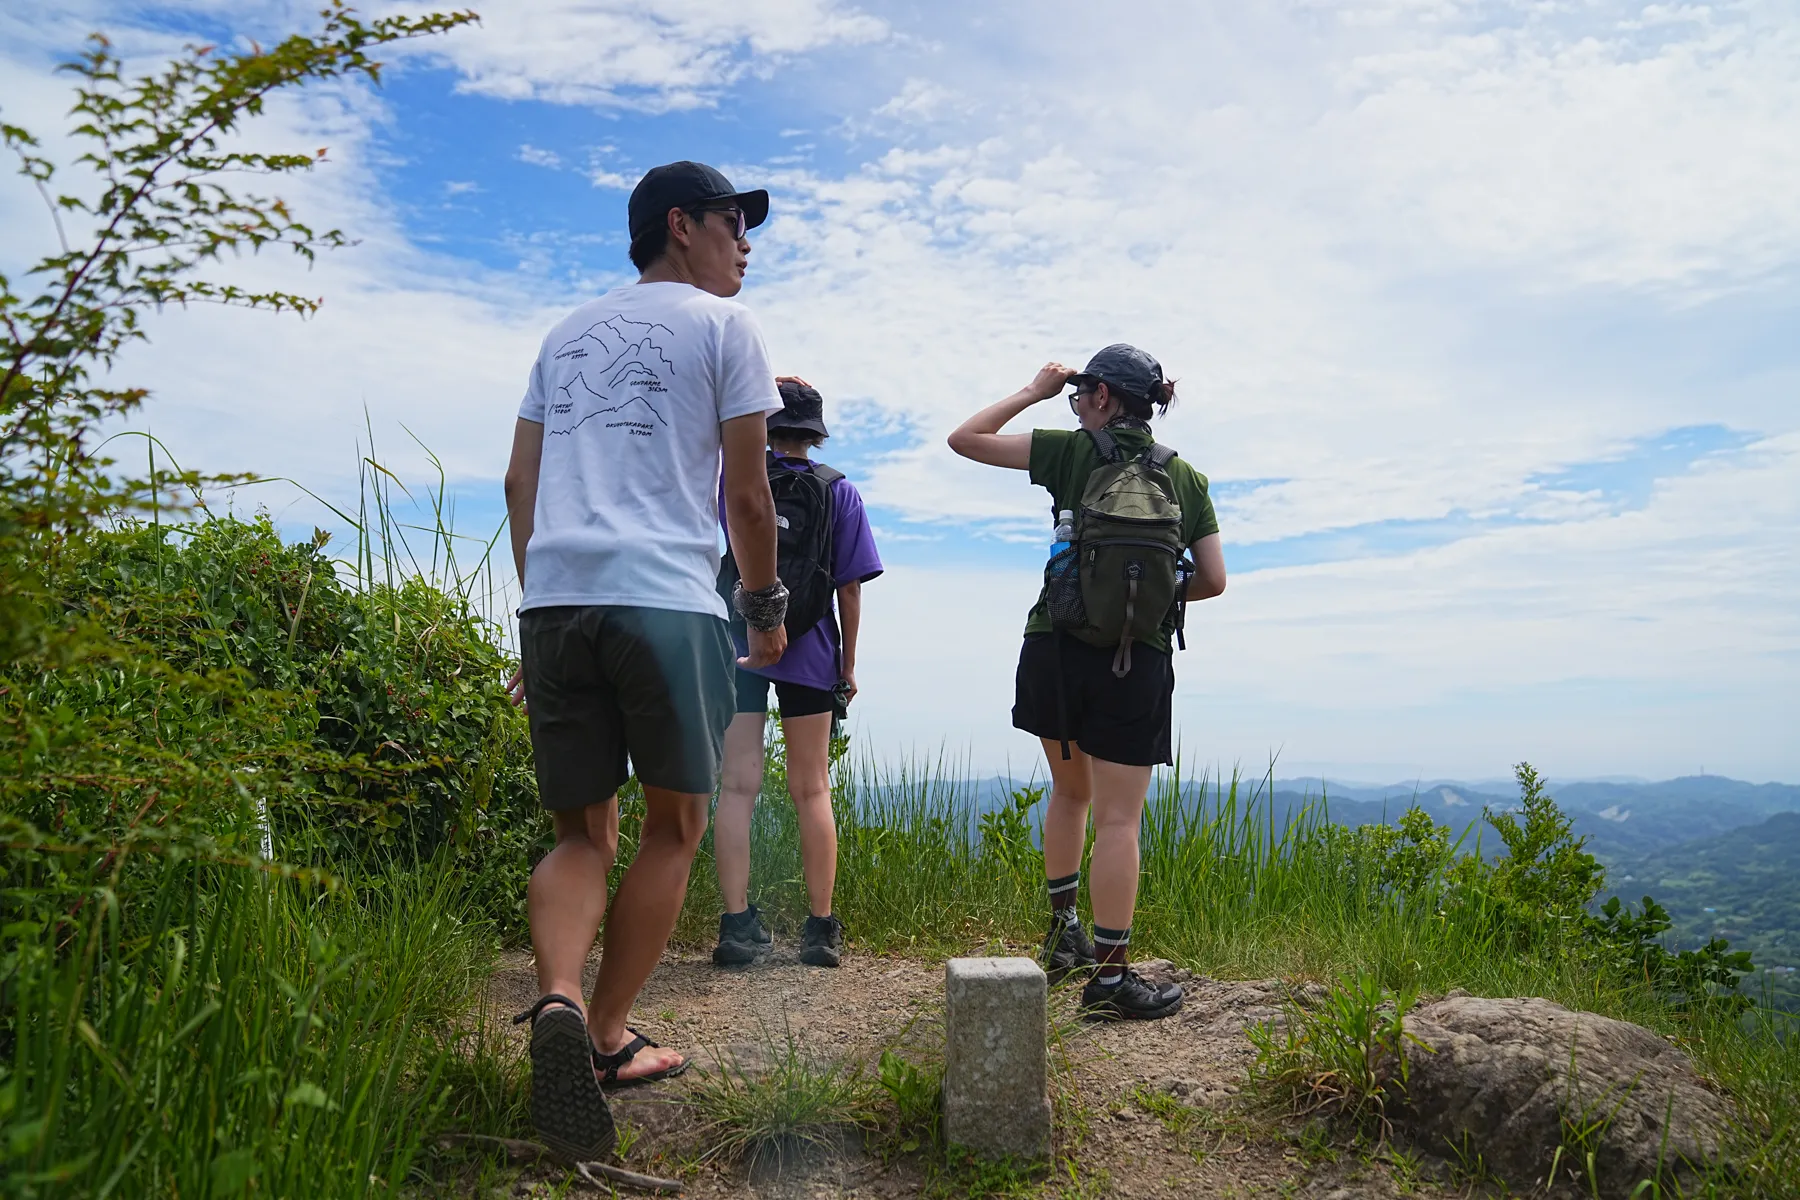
{"x":1065,"y":532}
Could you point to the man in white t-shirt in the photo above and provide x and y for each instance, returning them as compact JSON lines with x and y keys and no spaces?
{"x":633,"y":402}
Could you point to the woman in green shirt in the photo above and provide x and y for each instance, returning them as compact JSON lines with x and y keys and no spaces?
{"x":1116,"y":726}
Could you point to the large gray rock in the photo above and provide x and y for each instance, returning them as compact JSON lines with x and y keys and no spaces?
{"x":996,"y":1061}
{"x":1510,"y":1079}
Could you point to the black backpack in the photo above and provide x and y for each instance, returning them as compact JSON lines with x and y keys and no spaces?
{"x":803,"y":545}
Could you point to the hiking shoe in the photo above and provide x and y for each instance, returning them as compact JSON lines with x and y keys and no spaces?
{"x":822,"y":942}
{"x":743,"y":939}
{"x":567,"y":1107}
{"x":1132,"y":999}
{"x":1067,"y":949}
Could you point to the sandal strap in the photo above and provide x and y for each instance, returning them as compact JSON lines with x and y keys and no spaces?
{"x":531,"y":1014}
{"x":610,"y":1063}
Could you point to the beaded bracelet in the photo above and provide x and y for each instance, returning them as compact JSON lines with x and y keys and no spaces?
{"x":763,"y":610}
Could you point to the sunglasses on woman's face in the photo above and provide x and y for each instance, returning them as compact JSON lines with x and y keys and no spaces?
{"x":1076,"y":397}
{"x":736,"y":214}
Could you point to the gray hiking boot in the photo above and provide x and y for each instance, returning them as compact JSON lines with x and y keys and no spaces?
{"x":743,"y":939}
{"x":1133,"y":998}
{"x":1067,"y":949}
{"x":822,"y":943}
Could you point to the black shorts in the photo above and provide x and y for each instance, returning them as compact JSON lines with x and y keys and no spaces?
{"x":794,"y":699}
{"x":1124,"y":721}
{"x":604,"y":683}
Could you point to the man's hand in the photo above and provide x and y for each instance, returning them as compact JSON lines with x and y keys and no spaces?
{"x":515,"y":690}
{"x":1048,"y":382}
{"x":766,"y":648}
{"x":792,"y":379}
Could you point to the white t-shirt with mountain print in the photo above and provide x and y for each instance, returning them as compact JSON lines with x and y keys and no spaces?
{"x":630,"y":389}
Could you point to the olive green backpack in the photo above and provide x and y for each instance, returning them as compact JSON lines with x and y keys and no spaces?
{"x":1123,"y":576}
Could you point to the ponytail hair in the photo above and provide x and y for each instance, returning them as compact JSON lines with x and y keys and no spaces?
{"x":1162,"y":394}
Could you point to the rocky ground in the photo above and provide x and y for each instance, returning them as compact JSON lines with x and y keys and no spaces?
{"x":1143,"y":1110}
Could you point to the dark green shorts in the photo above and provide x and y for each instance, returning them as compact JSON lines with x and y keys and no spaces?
{"x":606,"y":683}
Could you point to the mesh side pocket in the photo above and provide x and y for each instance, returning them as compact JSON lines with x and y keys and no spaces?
{"x":1062,"y":590}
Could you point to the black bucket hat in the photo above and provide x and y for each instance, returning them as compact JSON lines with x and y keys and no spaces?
{"x":687,"y":185}
{"x":1122,"y":368}
{"x":801,"y":408}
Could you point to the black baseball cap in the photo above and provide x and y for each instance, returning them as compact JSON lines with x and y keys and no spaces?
{"x":1122,"y":368}
{"x":801,"y":408}
{"x":687,"y":185}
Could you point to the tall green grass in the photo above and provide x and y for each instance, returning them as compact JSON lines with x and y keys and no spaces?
{"x":237,"y":1032}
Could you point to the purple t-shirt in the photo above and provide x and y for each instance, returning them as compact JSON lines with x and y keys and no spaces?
{"x":811,"y":659}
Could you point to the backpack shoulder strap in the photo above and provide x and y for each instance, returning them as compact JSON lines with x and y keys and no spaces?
{"x":1159,"y":455}
{"x":1105,"y":445}
{"x":828,"y":474}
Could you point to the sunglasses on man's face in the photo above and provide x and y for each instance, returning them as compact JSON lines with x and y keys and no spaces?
{"x":736,"y":214}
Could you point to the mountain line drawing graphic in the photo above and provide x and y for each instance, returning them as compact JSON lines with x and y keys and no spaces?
{"x":568,"y":391}
{"x":631,"y":358}
{"x":615,"y":339}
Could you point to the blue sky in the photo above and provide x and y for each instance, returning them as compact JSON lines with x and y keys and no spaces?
{"x":1484,"y":314}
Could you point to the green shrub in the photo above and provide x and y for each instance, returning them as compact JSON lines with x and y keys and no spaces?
{"x":1545,"y":881}
{"x":387,"y":701}
{"x":1406,"y":859}
{"x":1691,"y":979}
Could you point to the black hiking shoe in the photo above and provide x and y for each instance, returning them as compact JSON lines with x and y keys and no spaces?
{"x":822,"y":943}
{"x":1067,"y":949}
{"x":1132,"y":999}
{"x":567,"y":1107}
{"x":743,"y":939}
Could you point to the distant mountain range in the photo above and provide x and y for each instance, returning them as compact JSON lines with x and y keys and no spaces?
{"x":1622,"y":821}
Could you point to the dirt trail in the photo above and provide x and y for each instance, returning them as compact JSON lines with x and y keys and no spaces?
{"x":870,"y":1003}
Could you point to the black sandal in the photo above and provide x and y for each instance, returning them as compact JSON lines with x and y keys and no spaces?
{"x":609,"y":1064}
{"x":567,"y":1108}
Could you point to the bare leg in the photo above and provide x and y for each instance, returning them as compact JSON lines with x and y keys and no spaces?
{"x":566,"y":899}
{"x":738,"y":787}
{"x":643,"y":915}
{"x":809,"y":784}
{"x":1066,"y":817}
{"x":1118,"y":811}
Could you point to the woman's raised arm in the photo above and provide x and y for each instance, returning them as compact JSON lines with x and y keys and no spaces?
{"x":980,"y":438}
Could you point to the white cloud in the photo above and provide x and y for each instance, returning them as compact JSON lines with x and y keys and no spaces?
{"x":538,"y":157}
{"x":603,"y":174}
{"x":918,"y":99}
{"x":635,"y":54}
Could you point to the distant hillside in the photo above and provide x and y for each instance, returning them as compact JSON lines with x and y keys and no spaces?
{"x":1622,"y":821}
{"x":1762,"y":799}
{"x":1743,"y":885}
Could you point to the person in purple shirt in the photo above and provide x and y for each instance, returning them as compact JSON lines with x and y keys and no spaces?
{"x":816,"y":662}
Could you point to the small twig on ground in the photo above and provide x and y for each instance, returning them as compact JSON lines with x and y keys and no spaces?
{"x":521,"y":1151}
{"x":618,"y":1175}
